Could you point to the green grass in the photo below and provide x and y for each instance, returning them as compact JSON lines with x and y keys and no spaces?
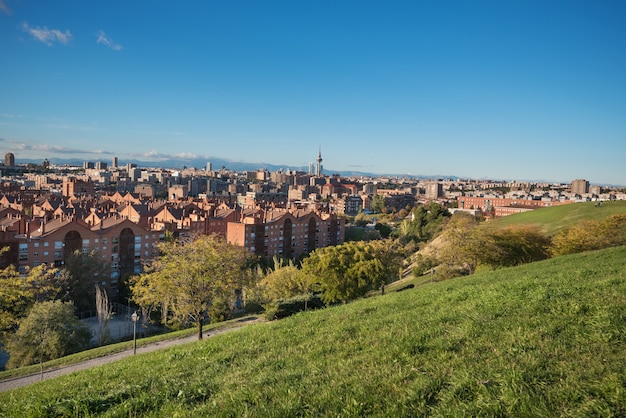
{"x":540,"y":340}
{"x":553,"y":219}
{"x":111,"y":349}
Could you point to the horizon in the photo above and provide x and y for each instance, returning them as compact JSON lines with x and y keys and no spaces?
{"x":252,"y":166}
{"x":497,"y":90}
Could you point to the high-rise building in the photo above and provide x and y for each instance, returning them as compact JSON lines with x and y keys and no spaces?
{"x":208,"y":166}
{"x":580,"y":186}
{"x":9,"y":159}
{"x":434,"y":190}
{"x":114,"y":162}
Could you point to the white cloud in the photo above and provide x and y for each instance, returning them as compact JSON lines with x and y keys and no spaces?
{"x":104,"y":39}
{"x":47,"y":36}
{"x":4,"y":7}
{"x":158,"y":156}
{"x":55,"y":149}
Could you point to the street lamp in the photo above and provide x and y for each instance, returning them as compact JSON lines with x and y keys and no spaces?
{"x":134,"y":317}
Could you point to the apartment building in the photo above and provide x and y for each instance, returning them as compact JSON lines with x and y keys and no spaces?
{"x":286,"y":233}
{"x":121,"y":243}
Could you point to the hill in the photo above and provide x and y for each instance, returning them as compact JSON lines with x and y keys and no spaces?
{"x":543,"y":339}
{"x":553,"y":219}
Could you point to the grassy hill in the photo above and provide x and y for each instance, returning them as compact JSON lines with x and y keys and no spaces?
{"x":553,"y":219}
{"x":543,"y":339}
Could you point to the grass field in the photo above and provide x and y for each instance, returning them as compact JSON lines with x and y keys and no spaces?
{"x":543,"y":339}
{"x":553,"y":219}
{"x":112,"y":349}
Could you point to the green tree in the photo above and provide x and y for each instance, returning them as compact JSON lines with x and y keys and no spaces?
{"x":514,"y":245}
{"x":361,"y":219}
{"x":377,"y":205}
{"x":49,"y":331}
{"x":384,"y":229}
{"x":81,"y":273}
{"x":590,"y":235}
{"x":346,"y":272}
{"x":188,"y":277}
{"x":460,"y":248}
{"x":284,"y":281}
{"x":18,"y":293}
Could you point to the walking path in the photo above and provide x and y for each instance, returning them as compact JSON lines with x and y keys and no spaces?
{"x":18,"y":382}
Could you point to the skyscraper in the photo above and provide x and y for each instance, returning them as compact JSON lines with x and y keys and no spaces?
{"x":9,"y":159}
{"x":580,"y":186}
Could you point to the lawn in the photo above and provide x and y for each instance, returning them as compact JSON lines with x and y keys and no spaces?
{"x":543,"y":339}
{"x":553,"y":219}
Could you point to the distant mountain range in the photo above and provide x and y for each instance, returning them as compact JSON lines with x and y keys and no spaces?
{"x":218,"y":163}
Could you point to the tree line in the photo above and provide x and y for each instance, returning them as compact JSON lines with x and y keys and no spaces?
{"x":203,"y":279}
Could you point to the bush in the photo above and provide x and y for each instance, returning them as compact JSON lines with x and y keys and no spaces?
{"x":591,"y":235}
{"x":287,"y":307}
{"x":423,"y":264}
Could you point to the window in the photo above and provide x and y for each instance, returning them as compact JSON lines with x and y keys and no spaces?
{"x":58,"y":245}
{"x":36,"y":244}
{"x":46,"y":243}
{"x":86,"y":243}
{"x":105,"y":241}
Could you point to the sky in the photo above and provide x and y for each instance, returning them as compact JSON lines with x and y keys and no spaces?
{"x":506,"y":89}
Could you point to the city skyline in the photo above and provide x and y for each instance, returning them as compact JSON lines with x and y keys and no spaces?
{"x":508,"y":90}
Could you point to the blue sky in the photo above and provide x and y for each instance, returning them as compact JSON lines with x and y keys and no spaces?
{"x":506,"y":89}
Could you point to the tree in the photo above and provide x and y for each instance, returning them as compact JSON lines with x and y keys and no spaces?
{"x":377,"y":205}
{"x":361,"y":219}
{"x":18,"y":293}
{"x":284,"y":281}
{"x":384,"y":229}
{"x":460,"y":249}
{"x":591,"y":235}
{"x":348,"y":271}
{"x":49,"y":331}
{"x":514,"y":245}
{"x":188,"y":277}
{"x":82,"y":272}
{"x":104,"y":311}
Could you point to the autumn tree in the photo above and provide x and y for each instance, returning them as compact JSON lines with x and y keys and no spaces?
{"x":348,"y":271}
{"x":188,"y":277}
{"x":49,"y":331}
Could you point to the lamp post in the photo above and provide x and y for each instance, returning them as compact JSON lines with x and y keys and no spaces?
{"x":134,"y":317}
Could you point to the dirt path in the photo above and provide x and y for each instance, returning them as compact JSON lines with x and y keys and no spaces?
{"x":18,"y":382}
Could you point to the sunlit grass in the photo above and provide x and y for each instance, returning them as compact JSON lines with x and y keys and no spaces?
{"x":112,"y":349}
{"x":553,"y":219}
{"x":543,"y":339}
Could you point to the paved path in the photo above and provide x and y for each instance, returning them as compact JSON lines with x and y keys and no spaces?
{"x":18,"y":382}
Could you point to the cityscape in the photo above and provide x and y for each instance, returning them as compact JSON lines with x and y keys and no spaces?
{"x":123,"y":212}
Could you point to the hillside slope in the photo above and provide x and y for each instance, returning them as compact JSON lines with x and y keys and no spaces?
{"x":553,"y":219}
{"x":543,"y":339}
